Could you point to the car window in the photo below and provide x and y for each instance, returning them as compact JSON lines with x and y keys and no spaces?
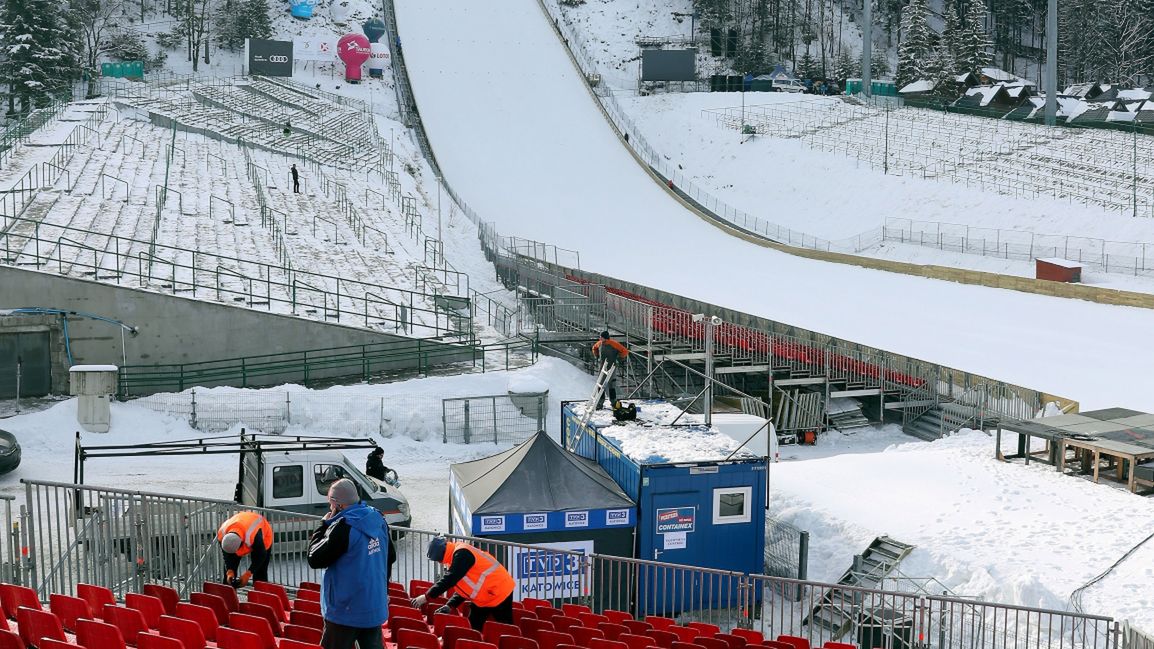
{"x":326,"y":474}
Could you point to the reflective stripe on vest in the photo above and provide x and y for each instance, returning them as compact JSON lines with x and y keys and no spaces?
{"x":480,"y":578}
{"x":250,"y":533}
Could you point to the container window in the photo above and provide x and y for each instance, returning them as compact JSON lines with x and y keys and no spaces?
{"x":732,"y":505}
{"x":288,"y":481}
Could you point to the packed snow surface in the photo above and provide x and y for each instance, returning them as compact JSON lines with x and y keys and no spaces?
{"x":654,"y":438}
{"x":523,"y":141}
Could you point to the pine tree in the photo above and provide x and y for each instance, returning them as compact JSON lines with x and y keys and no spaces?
{"x":953,"y":34}
{"x":39,"y":51}
{"x":807,"y":67}
{"x":241,"y":19}
{"x":916,"y":43}
{"x":880,"y":64}
{"x":939,"y":68}
{"x":974,"y":45}
{"x":845,"y":66}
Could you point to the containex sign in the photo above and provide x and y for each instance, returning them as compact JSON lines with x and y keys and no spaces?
{"x":270,"y":58}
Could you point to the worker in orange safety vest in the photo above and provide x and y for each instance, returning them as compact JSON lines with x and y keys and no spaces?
{"x":472,"y":575}
{"x":245,"y":534}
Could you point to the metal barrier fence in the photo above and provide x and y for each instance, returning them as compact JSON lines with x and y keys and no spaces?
{"x":497,"y":418}
{"x":12,"y":564}
{"x":124,"y":539}
{"x":786,"y":552}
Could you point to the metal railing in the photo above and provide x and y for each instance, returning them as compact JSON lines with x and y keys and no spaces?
{"x":498,"y":418}
{"x":360,"y":362}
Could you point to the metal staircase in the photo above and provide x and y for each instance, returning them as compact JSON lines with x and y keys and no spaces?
{"x":836,"y":610}
{"x":943,"y":418}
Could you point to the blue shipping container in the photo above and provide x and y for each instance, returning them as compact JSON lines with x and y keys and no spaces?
{"x":686,"y":512}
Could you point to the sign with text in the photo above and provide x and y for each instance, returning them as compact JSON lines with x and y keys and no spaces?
{"x":551,"y":575}
{"x":270,"y":58}
{"x":675,"y":519}
{"x":314,"y":49}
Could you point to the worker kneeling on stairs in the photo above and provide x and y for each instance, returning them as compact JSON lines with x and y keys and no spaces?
{"x":611,"y":354}
{"x":472,"y":575}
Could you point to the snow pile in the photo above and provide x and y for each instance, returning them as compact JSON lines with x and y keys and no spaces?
{"x":653,"y":438}
{"x":999,"y":531}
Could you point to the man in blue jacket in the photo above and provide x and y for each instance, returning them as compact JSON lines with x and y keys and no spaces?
{"x":352,"y":544}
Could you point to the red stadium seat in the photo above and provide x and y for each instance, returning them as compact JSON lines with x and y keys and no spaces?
{"x":453,"y":634}
{"x":636,"y":641}
{"x":516,"y":642}
{"x":410,"y":639}
{"x":419,"y":587}
{"x":685,"y":645}
{"x":616,"y":617}
{"x":36,"y":624}
{"x":150,"y":607}
{"x":227,"y":638}
{"x":223,"y":591}
{"x":583,"y":634}
{"x":202,"y":615}
{"x":659,"y":622}
{"x":838,"y":645}
{"x":710,"y":643}
{"x":188,"y":632}
{"x":493,"y":631}
{"x":274,"y":589}
{"x":271,"y":600}
{"x":151,"y":641}
{"x":405,"y":611}
{"x":309,"y":585}
{"x":307,"y":606}
{"x":10,"y":640}
{"x":612,"y":631}
{"x":684,"y":633}
{"x":167,"y":596}
{"x":706,"y":629}
{"x":49,"y":643}
{"x":129,"y":620}
{"x":563,"y":622}
{"x":98,"y":635}
{"x":69,"y":609}
{"x":312,"y":595}
{"x":474,"y":644}
{"x":213,"y":603}
{"x":522,"y":613}
{"x":262,"y":611}
{"x":664,"y":639}
{"x":637,"y":627}
{"x":311,"y":620}
{"x":734,"y":641}
{"x":301,"y":634}
{"x":531,"y":603}
{"x":601,"y":643}
{"x":591,"y":620}
{"x":255,"y":625}
{"x":573,"y":609}
{"x":751,"y":636}
{"x":286,"y":643}
{"x":774,"y":644}
{"x":396,"y":623}
{"x":530,"y":626}
{"x":13,"y":597}
{"x":552,"y":639}
{"x":443,"y":620}
{"x":797,"y":642}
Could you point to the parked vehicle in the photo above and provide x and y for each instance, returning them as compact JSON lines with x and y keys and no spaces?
{"x":9,"y":452}
{"x":788,"y":85}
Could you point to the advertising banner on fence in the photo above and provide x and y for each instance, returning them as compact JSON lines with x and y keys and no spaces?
{"x":314,"y":49}
{"x":549,"y":575}
{"x":269,"y":58}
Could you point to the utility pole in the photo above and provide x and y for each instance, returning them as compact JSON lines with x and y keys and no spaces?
{"x":867,"y":36}
{"x":1051,"y":79}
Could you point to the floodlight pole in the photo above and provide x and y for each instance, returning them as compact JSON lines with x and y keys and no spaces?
{"x":1051,"y":62}
{"x":867,"y":46}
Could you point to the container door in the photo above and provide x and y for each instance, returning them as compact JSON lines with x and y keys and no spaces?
{"x":670,"y":533}
{"x":28,"y":354}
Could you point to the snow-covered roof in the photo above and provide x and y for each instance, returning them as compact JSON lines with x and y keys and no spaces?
{"x":653,"y":439}
{"x":1080,"y":90}
{"x":998,"y":74}
{"x":921,"y":85}
{"x":1134,"y":94}
{"x":987,"y":93}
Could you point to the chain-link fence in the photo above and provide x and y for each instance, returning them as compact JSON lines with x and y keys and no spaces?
{"x":496,"y":418}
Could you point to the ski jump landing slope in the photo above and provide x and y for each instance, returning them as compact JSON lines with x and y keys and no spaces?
{"x":520,"y":138}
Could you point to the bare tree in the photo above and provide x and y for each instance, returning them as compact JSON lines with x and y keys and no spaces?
{"x":196,"y":23}
{"x":96,"y":20}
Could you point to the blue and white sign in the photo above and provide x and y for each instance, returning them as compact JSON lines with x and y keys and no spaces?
{"x":492,"y":523}
{"x":541,"y":573}
{"x":577,"y":519}
{"x":535,"y":522}
{"x":676,"y":519}
{"x":585,"y":519}
{"x":615,"y":517}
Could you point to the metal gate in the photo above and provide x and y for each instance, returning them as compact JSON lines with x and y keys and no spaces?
{"x":27,"y":362}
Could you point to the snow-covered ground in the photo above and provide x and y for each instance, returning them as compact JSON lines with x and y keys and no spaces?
{"x":1001,"y":532}
{"x":553,"y":171}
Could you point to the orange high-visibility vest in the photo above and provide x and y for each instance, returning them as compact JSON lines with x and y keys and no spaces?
{"x":246,"y":525}
{"x":487,"y":583}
